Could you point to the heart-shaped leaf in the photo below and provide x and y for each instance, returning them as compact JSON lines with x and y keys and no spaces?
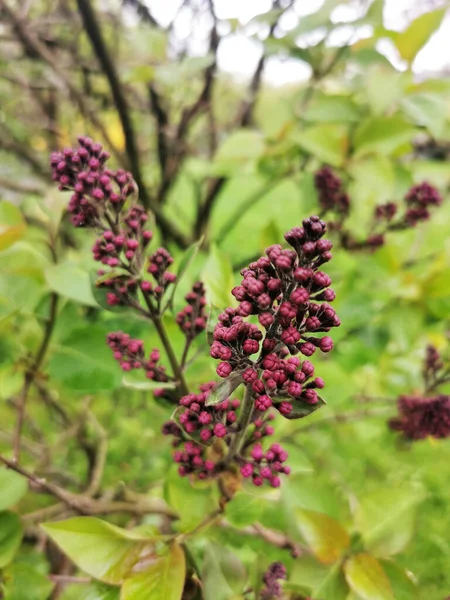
{"x":325,"y":536}
{"x":10,"y":537}
{"x":366,"y":577}
{"x":163,"y":580}
{"x":100,"y":549}
{"x":12,"y":488}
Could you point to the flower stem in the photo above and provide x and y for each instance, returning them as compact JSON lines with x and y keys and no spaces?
{"x":243,"y":422}
{"x":176,"y":367}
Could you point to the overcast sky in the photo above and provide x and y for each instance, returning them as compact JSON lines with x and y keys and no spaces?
{"x":238,"y":54}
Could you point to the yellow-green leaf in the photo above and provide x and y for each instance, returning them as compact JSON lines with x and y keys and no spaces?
{"x":163,"y":580}
{"x":12,"y":224}
{"x":366,"y":577}
{"x":12,"y":488}
{"x":327,"y":142}
{"x":102,"y":550}
{"x":386,"y":519}
{"x":10,"y":537}
{"x":325,"y":536}
{"x":410,"y":41}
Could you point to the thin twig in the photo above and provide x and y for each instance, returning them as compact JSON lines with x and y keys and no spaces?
{"x":32,"y":371}
{"x":84,"y":505}
{"x":94,"y":33}
{"x":163,"y":336}
{"x":30,"y":41}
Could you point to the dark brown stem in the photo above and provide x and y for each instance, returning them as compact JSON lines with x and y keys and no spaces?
{"x":243,"y":422}
{"x":32,"y":371}
{"x":32,"y":43}
{"x":84,"y":505}
{"x":176,"y":367}
{"x":94,"y":33}
{"x":184,"y":356}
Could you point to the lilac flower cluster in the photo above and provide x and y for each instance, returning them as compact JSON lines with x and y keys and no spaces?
{"x":290,"y":296}
{"x":420,"y":417}
{"x":268,"y":465}
{"x":102,"y":199}
{"x":386,"y":217}
{"x":330,"y":192}
{"x":200,"y":428}
{"x":192,"y":319}
{"x":428,"y":414}
{"x":272,"y":587}
{"x":99,"y":192}
{"x":130,"y":354}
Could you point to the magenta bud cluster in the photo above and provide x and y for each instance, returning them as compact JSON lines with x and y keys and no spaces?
{"x":199,"y":427}
{"x":130,"y":354}
{"x":272,"y":577}
{"x":422,"y":417}
{"x":291,"y":298}
{"x":419,"y":200}
{"x":193,"y":318}
{"x":330,"y":191}
{"x":94,"y":185}
{"x":102,"y":200}
{"x":261,"y":466}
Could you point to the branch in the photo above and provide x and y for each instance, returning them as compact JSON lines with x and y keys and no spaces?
{"x":174,"y":159}
{"x":22,"y":151}
{"x":30,"y":41}
{"x":162,"y":122}
{"x":84,"y":505}
{"x":98,"y":44}
{"x":280,"y":540}
{"x":31,"y":372}
{"x":142,"y":10}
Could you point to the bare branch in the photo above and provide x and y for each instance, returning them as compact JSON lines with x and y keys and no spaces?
{"x":98,"y":44}
{"x":30,"y":41}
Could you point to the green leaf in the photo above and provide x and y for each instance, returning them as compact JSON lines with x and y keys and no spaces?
{"x":403,"y":586}
{"x":11,"y":531}
{"x":333,"y":109}
{"x":334,"y":585}
{"x":185,"y":262}
{"x":12,"y":224}
{"x":328,"y":142}
{"x":22,"y":582}
{"x":102,"y":550}
{"x":366,"y":577}
{"x":218,"y":278}
{"x":224,"y":389}
{"x":386,"y":519}
{"x":383,"y":87}
{"x":99,"y":591}
{"x":163,"y":580}
{"x":325,"y":536}
{"x":13,"y":488}
{"x":245,"y":509}
{"x":84,"y":363}
{"x":241,"y":149}
{"x":417,"y":34}
{"x":303,"y":410}
{"x":221,"y":572}
{"x":191,"y":503}
{"x":382,"y":134}
{"x":428,"y":110}
{"x":99,"y":292}
{"x":71,"y":281}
